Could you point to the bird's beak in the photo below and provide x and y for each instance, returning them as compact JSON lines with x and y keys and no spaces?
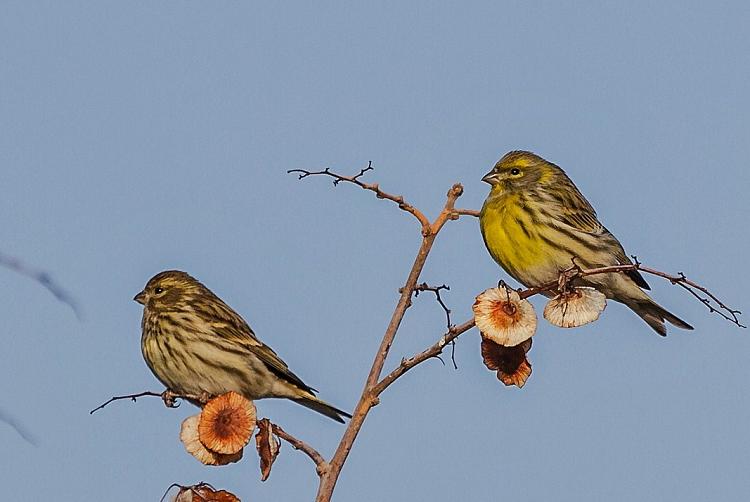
{"x":490,"y":177}
{"x":140,"y":298}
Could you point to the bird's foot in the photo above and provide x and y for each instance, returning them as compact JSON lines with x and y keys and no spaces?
{"x":204,"y":397}
{"x":169,"y":397}
{"x":565,"y":278}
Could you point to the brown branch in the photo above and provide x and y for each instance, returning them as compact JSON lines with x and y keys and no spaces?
{"x":369,"y":398}
{"x":373,"y":187}
{"x":320,"y":463}
{"x":565,"y":278}
{"x":42,"y":278}
{"x":711,"y":302}
{"x":374,"y":385}
{"x":467,"y":212}
{"x":167,"y":396}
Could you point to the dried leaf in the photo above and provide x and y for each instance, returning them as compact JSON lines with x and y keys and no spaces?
{"x":194,"y":446}
{"x":268,"y":446}
{"x":204,"y":493}
{"x":511,"y":364}
{"x":227,"y":423}
{"x":502,"y":316}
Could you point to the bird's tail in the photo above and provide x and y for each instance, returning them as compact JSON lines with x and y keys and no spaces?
{"x":655,"y":315}
{"x":320,"y":406}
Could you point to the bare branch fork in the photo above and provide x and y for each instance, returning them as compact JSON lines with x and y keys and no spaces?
{"x":380,"y":194}
{"x":436,"y":289}
{"x":369,"y":397}
{"x":374,"y":385}
{"x":419,"y":288}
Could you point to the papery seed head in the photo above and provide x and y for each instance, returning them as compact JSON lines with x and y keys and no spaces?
{"x":502,"y":316}
{"x":579,"y":306}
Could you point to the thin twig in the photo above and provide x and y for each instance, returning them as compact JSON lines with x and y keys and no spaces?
{"x":320,"y":463}
{"x":568,"y":275}
{"x":44,"y":279}
{"x":430,"y":352}
{"x":467,"y":212}
{"x":436,"y":290}
{"x":373,"y":187}
{"x":167,"y":396}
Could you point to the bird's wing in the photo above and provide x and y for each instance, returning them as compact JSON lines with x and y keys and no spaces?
{"x":573,"y":210}
{"x":232,"y":327}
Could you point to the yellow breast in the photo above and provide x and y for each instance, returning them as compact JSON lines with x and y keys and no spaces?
{"x":512,"y":238}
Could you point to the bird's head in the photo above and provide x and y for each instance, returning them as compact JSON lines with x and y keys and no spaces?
{"x":520,"y":170}
{"x":167,"y":289}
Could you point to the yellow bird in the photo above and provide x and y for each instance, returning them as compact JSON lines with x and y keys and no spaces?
{"x":535,"y":222}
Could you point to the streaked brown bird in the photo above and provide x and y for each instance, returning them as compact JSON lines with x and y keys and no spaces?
{"x":535,"y":222}
{"x":195,"y":344}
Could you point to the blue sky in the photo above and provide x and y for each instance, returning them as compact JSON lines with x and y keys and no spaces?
{"x":140,"y":136}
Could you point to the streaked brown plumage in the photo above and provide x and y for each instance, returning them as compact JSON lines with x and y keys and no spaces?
{"x":535,"y":221}
{"x":194,"y":343}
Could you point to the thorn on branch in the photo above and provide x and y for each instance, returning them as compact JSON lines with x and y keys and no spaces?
{"x":453,"y":354}
{"x":364,"y":170}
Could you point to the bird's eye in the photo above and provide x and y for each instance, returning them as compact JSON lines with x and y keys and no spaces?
{"x":159,"y":291}
{"x":515,"y":171}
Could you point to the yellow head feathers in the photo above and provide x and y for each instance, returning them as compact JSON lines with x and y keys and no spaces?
{"x":520,"y":169}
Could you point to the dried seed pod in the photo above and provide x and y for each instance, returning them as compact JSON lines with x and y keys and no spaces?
{"x":511,"y":364}
{"x":268,"y":446}
{"x":503,"y":317}
{"x":227,"y":423}
{"x":193,"y":445}
{"x":579,"y":306}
